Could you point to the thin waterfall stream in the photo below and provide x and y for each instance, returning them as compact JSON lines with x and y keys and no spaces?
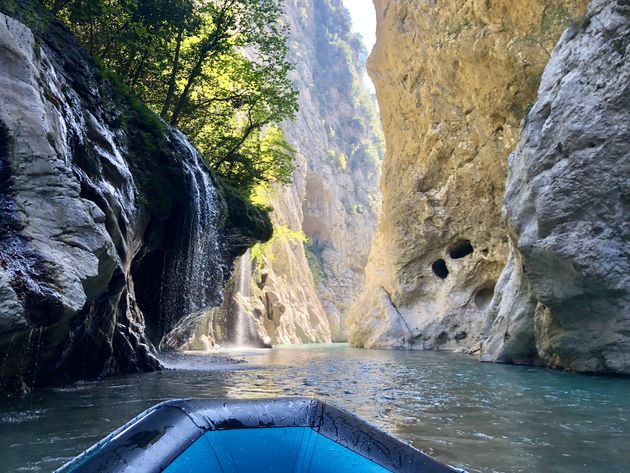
{"x":186,"y":285}
{"x":243,"y":326}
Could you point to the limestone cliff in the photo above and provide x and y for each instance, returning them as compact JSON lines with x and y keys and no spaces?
{"x":303,"y":289}
{"x":564,"y":298}
{"x":335,"y":196}
{"x":453,"y":80}
{"x":111,"y":228}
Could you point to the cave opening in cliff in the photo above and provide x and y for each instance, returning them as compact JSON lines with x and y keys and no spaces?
{"x":484,"y":296}
{"x":439,"y":268}
{"x":461,"y":249}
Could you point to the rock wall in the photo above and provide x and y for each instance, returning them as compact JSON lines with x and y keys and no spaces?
{"x":302,"y":290}
{"x":453,"y":80}
{"x":285,"y":300}
{"x":563,"y":300}
{"x":344,"y":152}
{"x":335,"y":195}
{"x":305,"y":288}
{"x":111,"y":228}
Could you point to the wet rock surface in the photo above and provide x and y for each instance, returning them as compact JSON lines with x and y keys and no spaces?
{"x":103,"y":211}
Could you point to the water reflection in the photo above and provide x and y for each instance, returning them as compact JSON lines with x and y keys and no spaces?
{"x":484,"y":417}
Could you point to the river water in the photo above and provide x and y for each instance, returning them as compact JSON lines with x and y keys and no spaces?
{"x":482,"y":417}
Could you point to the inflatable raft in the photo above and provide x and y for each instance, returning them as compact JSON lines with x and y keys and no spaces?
{"x":295,"y":435}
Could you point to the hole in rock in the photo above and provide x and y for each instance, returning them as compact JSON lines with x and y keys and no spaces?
{"x":440,"y":269}
{"x":460,"y":249}
{"x":483,"y":297}
{"x":461,"y":335}
{"x":442,"y":338}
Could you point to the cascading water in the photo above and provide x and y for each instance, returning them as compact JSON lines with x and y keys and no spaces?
{"x":193,"y":281}
{"x":243,"y":326}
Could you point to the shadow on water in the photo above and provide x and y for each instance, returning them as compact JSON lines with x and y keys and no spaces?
{"x":484,"y":417}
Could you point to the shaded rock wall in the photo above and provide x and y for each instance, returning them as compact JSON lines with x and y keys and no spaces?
{"x":564,"y":298}
{"x":104,"y":213}
{"x":453,"y":80}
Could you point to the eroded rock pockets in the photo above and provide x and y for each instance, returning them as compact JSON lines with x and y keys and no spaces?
{"x":100,"y":204}
{"x":563,"y":300}
{"x":453,"y":80}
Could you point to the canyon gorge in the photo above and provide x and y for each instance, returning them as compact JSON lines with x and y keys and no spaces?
{"x":212,"y":200}
{"x":501,"y":232}
{"x":303,"y":289}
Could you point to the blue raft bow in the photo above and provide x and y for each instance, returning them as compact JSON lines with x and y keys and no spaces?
{"x":293,"y":435}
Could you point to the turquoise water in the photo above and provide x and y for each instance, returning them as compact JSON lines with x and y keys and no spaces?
{"x":275,"y":450}
{"x":482,"y":417}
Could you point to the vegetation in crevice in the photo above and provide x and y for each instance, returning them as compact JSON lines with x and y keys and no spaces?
{"x":262,"y":252}
{"x":315,"y":260}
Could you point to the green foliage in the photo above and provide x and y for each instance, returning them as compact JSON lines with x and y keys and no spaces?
{"x":342,"y":160}
{"x":262,"y":252}
{"x":273,"y":161}
{"x":215,"y":69}
{"x":355,"y":133}
{"x":29,"y":13}
{"x":315,"y":261}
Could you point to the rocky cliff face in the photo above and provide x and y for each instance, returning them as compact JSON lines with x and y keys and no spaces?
{"x":305,"y":288}
{"x":564,"y":298}
{"x":335,"y":195}
{"x":454,"y":80}
{"x":111,"y":229}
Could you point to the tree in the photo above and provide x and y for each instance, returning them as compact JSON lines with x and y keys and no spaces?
{"x":216,"y":69}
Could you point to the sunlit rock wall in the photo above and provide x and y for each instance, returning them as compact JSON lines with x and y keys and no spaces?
{"x":564,"y":298}
{"x":454,"y":80}
{"x":335,"y":196}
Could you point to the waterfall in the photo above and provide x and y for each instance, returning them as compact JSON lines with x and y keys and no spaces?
{"x":193,"y":281}
{"x":243,"y":325}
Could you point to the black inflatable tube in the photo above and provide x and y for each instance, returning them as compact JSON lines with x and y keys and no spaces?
{"x":152,"y":440}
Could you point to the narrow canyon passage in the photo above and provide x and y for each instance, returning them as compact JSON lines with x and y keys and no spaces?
{"x":417,"y":212}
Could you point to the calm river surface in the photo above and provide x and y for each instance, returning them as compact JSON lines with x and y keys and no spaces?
{"x":482,"y":417}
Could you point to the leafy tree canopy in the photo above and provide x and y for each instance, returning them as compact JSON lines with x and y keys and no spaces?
{"x":216,"y":69}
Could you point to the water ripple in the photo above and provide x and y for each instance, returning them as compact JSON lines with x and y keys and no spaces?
{"x":482,"y":417}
